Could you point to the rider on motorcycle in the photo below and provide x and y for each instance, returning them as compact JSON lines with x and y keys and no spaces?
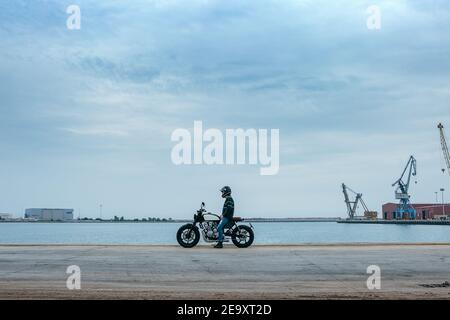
{"x":227,"y":214}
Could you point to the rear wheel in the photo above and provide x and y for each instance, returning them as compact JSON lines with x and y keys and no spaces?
{"x":243,"y":237}
{"x":188,"y":236}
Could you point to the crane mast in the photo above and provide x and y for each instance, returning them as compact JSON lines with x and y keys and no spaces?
{"x":444,"y":147}
{"x":404,"y":209}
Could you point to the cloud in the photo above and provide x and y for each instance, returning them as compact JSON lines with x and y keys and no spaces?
{"x":97,"y":132}
{"x":97,"y":106}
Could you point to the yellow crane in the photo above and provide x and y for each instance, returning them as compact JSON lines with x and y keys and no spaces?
{"x":444,"y":147}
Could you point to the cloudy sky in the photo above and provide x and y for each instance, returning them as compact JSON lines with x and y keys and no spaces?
{"x":87,"y":115}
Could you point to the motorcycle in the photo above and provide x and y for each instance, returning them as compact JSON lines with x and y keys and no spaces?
{"x":188,"y":235}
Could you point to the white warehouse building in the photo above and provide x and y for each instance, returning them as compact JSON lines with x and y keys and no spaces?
{"x":5,"y":216}
{"x":44,"y":214}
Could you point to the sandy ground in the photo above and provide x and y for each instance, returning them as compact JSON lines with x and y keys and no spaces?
{"x":260,"y":272}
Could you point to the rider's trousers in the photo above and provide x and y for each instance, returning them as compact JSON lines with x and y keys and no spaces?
{"x":221,"y":226}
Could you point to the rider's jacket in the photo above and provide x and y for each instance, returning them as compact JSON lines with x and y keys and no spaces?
{"x":228,"y":207}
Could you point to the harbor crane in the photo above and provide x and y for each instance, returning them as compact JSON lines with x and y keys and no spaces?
{"x":404,"y":209}
{"x":352,"y":206}
{"x":444,"y":148}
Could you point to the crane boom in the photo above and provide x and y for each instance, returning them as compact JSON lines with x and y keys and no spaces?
{"x":352,"y":206}
{"x":444,"y":147}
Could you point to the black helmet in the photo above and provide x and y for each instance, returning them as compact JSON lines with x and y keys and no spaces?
{"x":226,"y":191}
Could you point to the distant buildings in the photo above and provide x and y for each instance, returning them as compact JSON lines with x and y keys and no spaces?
{"x":5,"y":216}
{"x":423,"y":211}
{"x":45,"y":214}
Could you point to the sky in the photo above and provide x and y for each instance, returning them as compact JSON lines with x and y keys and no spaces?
{"x":86,"y":116}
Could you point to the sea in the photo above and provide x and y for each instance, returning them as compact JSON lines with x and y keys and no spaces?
{"x":267,"y":233}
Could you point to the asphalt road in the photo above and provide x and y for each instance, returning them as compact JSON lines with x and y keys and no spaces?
{"x":260,"y":272}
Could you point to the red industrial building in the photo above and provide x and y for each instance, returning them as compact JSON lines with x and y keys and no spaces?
{"x":424,"y":211}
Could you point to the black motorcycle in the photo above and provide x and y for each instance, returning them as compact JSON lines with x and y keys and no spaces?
{"x":188,"y":235}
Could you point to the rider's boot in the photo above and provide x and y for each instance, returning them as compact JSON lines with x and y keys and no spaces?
{"x":219,"y":245}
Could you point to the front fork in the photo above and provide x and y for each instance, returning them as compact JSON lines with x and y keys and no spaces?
{"x":192,"y":229}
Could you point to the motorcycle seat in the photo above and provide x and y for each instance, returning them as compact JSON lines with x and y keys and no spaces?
{"x":237,"y":219}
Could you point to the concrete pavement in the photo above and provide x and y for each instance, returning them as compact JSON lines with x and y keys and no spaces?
{"x":259,"y":272}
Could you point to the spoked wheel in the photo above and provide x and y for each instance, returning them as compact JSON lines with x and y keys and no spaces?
{"x":188,"y":236}
{"x":243,"y":237}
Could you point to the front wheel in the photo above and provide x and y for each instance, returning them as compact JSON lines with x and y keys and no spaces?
{"x":243,"y":237}
{"x":188,"y":236}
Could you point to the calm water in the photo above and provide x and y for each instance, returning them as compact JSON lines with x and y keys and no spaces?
{"x":266,"y":233}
